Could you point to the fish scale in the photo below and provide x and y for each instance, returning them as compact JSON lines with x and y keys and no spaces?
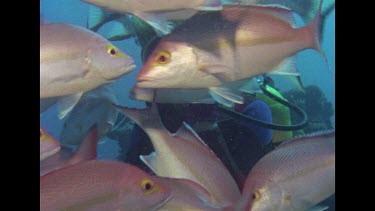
{"x":99,"y":185}
{"x":295,"y":176}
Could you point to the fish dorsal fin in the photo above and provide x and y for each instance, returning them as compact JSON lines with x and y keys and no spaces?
{"x":87,"y":150}
{"x":282,"y":12}
{"x":150,"y":161}
{"x":188,"y":133}
{"x":279,"y":11}
{"x":328,"y":133}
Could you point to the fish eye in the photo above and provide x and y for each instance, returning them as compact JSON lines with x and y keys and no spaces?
{"x":163,"y":57}
{"x":148,"y":186}
{"x":40,"y":131}
{"x":112,"y":50}
{"x":255,"y":195}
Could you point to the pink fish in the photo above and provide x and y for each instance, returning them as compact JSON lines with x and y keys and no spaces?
{"x":187,"y":196}
{"x":184,"y":155}
{"x":238,"y":42}
{"x":65,"y":157}
{"x":101,"y":185}
{"x":295,"y":176}
{"x":48,"y":145}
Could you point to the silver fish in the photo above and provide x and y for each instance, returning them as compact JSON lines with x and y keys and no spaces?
{"x":157,"y":13}
{"x":74,"y":60}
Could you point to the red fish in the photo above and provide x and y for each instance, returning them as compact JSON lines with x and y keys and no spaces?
{"x":101,"y":185}
{"x":295,"y":176}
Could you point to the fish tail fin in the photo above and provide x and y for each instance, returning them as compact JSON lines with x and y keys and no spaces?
{"x":145,"y":118}
{"x":313,"y":31}
{"x":119,"y":31}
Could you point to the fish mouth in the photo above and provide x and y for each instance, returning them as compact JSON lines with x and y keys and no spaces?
{"x":131,"y":66}
{"x":126,"y":70}
{"x":144,"y":82}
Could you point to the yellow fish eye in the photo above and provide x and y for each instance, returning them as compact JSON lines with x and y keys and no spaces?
{"x":163,"y":57}
{"x":255,"y":196}
{"x":113,"y":51}
{"x":148,"y":186}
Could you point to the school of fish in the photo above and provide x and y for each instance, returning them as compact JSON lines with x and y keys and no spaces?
{"x":208,"y":51}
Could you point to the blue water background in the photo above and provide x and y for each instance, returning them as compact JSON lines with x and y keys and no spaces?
{"x":311,"y":65}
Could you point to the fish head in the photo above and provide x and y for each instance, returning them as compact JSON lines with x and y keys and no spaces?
{"x":170,"y":65}
{"x":260,"y":194}
{"x":142,"y":191}
{"x":108,"y":61}
{"x":48,"y":145}
{"x":265,"y":198}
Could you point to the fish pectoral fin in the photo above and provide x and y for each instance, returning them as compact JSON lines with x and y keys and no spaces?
{"x":67,"y":103}
{"x":222,"y":72}
{"x":150,"y":161}
{"x":119,"y":31}
{"x":225,"y":96}
{"x":286,"y":67}
{"x":251,"y":86}
{"x":211,"y":5}
{"x":158,"y":22}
